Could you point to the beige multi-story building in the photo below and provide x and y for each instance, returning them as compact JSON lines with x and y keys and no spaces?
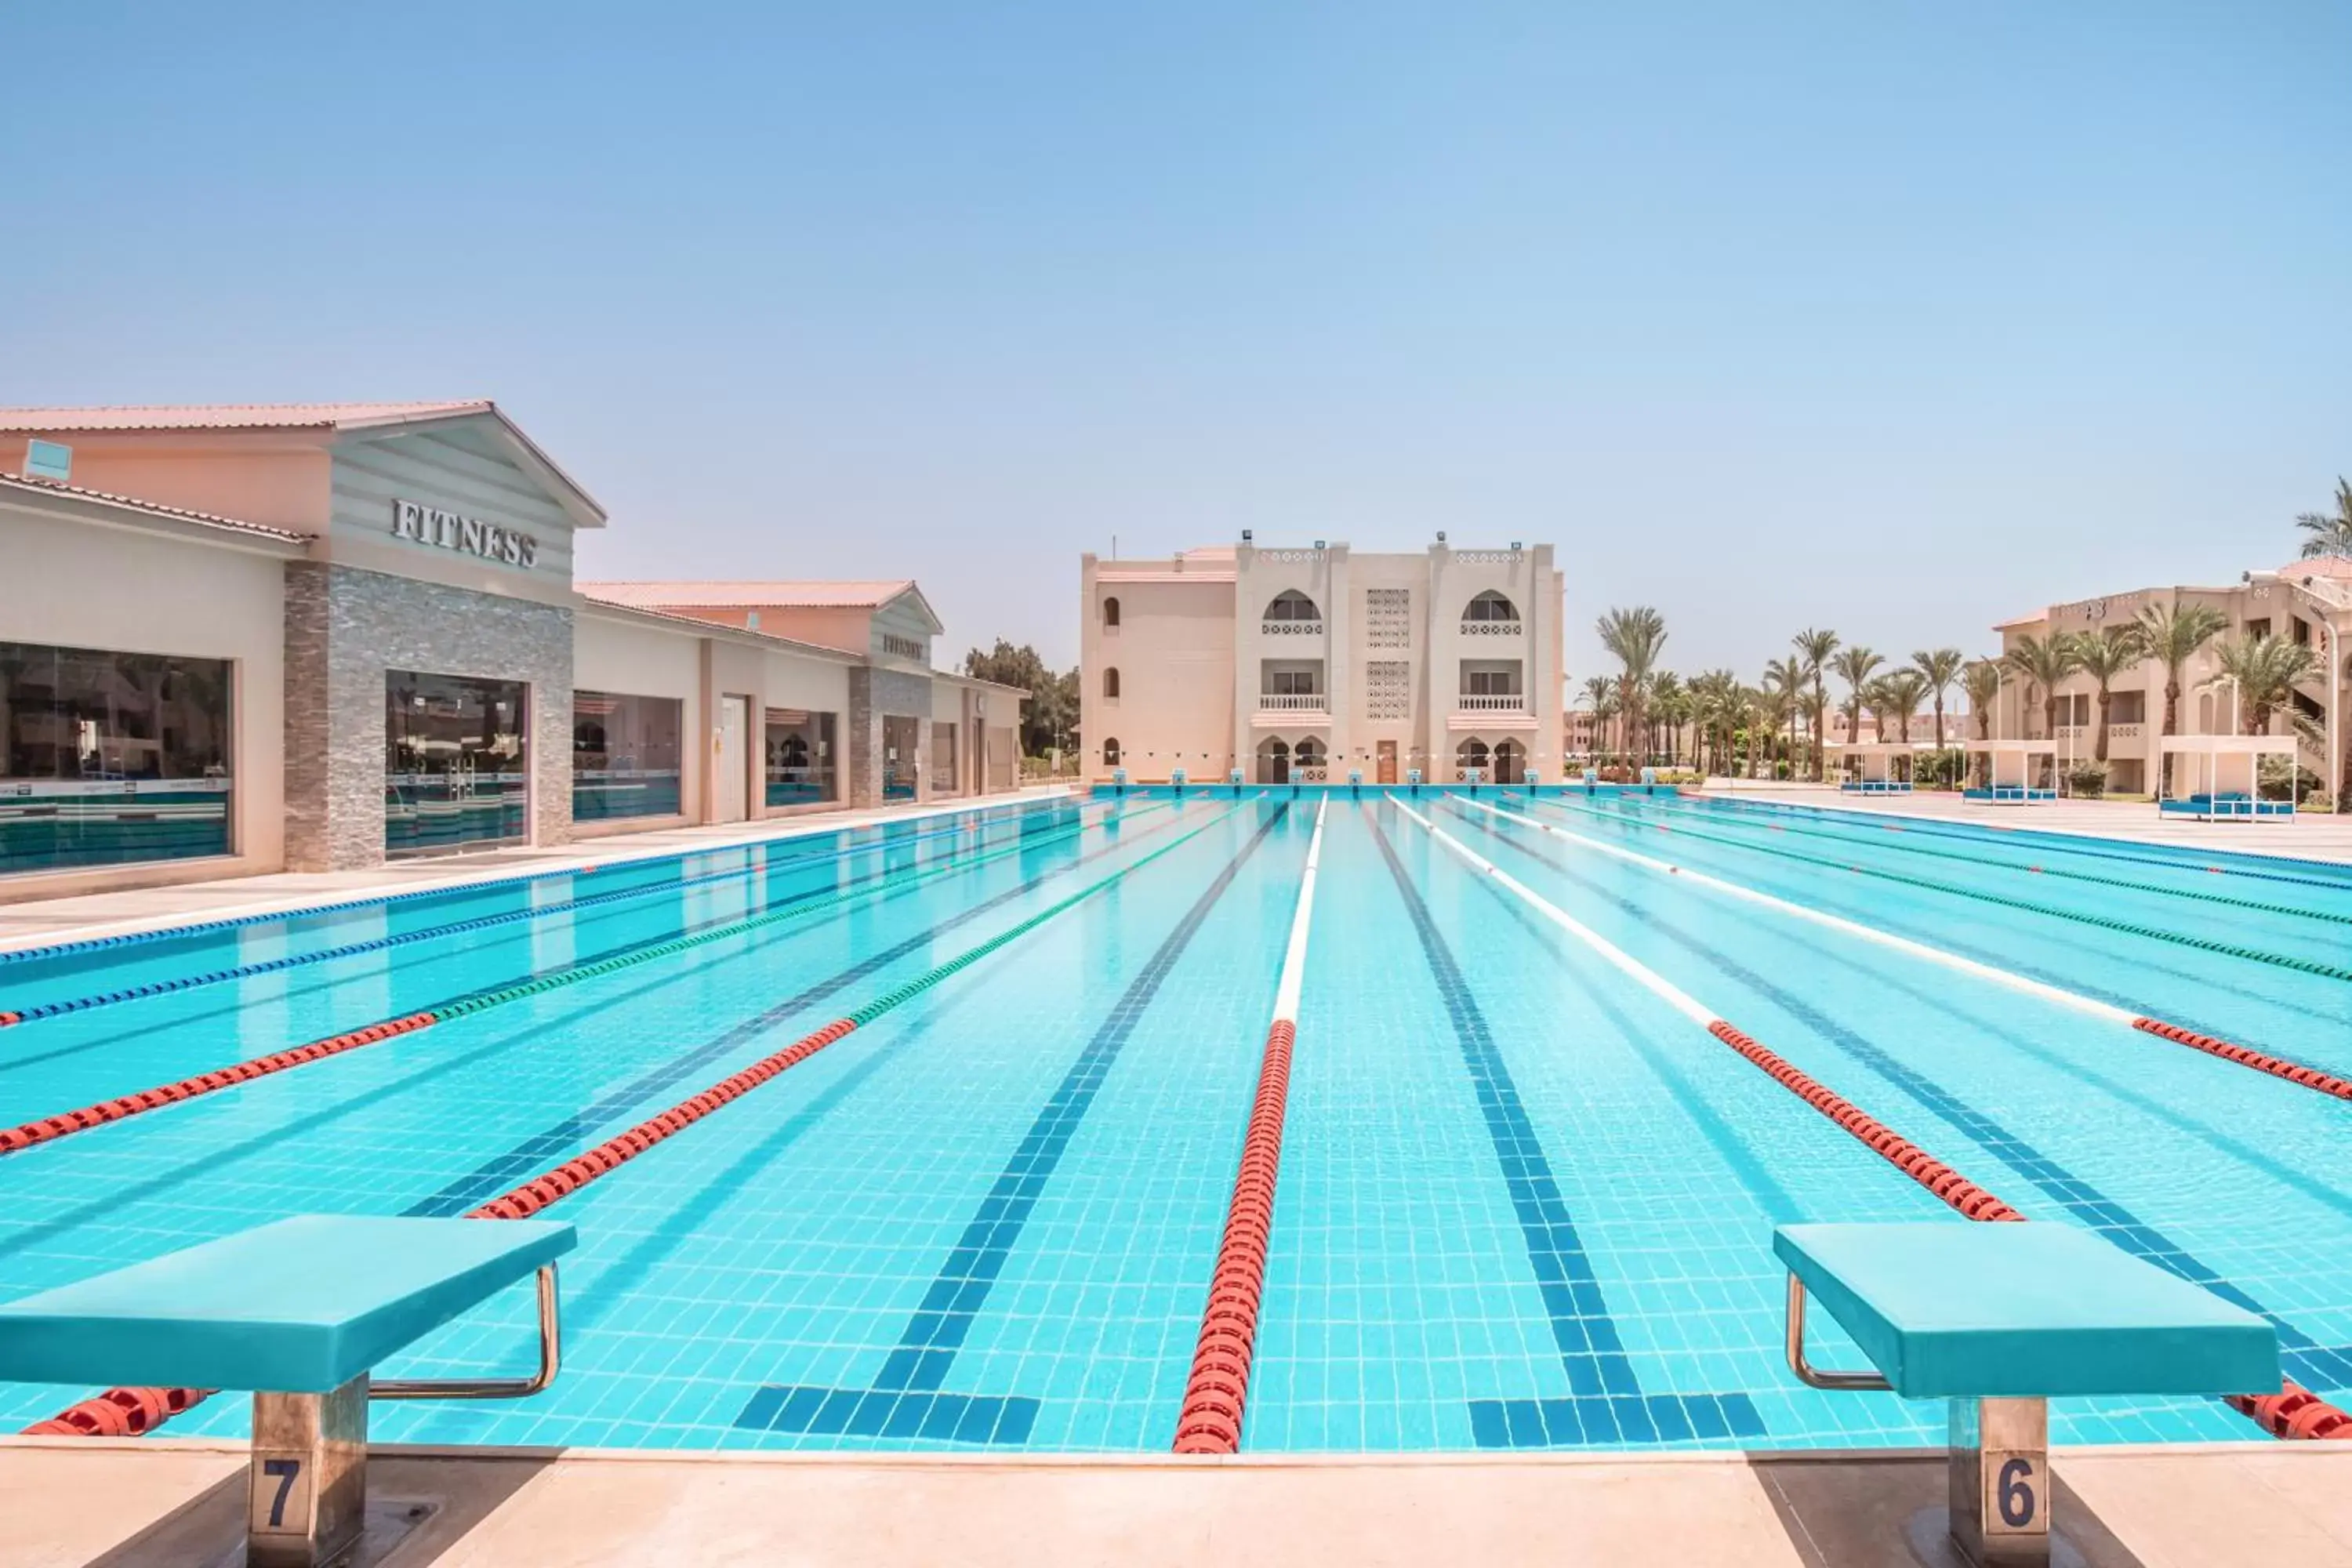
{"x":1309,"y":664}
{"x":2307,"y":601}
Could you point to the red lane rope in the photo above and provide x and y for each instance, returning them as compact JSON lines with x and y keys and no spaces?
{"x":1906,"y":1156}
{"x":614,"y":1153}
{"x":131,"y":1411}
{"x":2293,"y":1412}
{"x":2246,"y":1055}
{"x":52,"y":1127}
{"x":1211,"y":1422}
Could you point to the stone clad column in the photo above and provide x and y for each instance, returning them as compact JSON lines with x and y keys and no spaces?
{"x":346,"y":628}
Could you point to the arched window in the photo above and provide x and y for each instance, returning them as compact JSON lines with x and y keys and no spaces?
{"x":1110,"y":753}
{"x":1110,"y":612}
{"x":1510,"y":761}
{"x":1309,"y":753}
{"x":1470,"y":753}
{"x":1110,"y":682}
{"x":1491,"y":606}
{"x":1274,"y":761}
{"x":1290,"y":604}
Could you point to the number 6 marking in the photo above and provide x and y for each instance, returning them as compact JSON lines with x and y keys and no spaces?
{"x":2016,"y":1494}
{"x":285,"y":1470}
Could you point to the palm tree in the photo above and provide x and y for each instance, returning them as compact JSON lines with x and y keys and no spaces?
{"x":2103,"y":656}
{"x":1940,"y":667}
{"x":2171,"y":634}
{"x":1600,"y":696}
{"x":1664,"y":704}
{"x":2043,"y":662}
{"x":1981,"y":681}
{"x":1900,"y":694}
{"x":1815,"y":648}
{"x":2330,"y":535}
{"x":1855,"y":666}
{"x":1635,"y":638}
{"x":2264,"y":670}
{"x":1784,"y":685}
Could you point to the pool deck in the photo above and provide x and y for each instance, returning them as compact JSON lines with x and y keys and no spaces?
{"x":37,"y":922}
{"x":145,"y":1504}
{"x":2307,"y":835}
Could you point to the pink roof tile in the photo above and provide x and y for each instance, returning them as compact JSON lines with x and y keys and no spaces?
{"x":795,"y":595}
{"x":2318,"y":566}
{"x":235,"y":416}
{"x":584,"y":508}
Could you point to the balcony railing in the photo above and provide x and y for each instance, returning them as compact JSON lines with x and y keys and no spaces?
{"x":1293,"y":702}
{"x":1490,"y":702}
{"x":1291,"y":628}
{"x":1491,"y":629}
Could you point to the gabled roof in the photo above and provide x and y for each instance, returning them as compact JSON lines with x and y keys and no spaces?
{"x":340,"y":419}
{"x":10,"y":483}
{"x":799,"y":594}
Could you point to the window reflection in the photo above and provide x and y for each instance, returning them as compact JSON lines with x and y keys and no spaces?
{"x":457,"y":771}
{"x":625,"y":755}
{"x":108,"y":757}
{"x":800,"y":757}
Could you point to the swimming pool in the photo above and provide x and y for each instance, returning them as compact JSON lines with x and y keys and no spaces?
{"x":1526,"y":1198}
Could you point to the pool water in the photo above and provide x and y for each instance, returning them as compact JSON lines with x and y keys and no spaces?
{"x":1524,"y":1203}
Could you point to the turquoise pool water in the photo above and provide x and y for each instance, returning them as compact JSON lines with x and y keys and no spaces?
{"x":1523,"y":1203}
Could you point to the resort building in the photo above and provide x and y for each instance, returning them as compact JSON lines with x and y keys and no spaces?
{"x":2308,"y":602}
{"x":308,"y":637}
{"x":1313,"y":664}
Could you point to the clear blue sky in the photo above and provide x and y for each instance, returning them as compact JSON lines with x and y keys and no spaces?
{"x":1895,"y":318}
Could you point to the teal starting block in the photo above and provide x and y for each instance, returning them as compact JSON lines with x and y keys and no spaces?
{"x":1999,"y":1319}
{"x":298,"y":1312}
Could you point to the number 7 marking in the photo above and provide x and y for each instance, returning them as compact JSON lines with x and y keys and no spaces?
{"x":285,"y":1470}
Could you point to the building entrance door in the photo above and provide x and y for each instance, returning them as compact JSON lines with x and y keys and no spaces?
{"x":1386,"y":763}
{"x":457,"y":771}
{"x":902,"y":760}
{"x":733,"y":760}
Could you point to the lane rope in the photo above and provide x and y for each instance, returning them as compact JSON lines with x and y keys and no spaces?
{"x":1218,"y":1388}
{"x":65,"y":1123}
{"x":2060,"y":843}
{"x":2129,"y":928}
{"x":132,"y":1412}
{"x":1688,"y":812}
{"x":2293,"y":1412}
{"x":2301,"y":1074}
{"x":180,"y":983}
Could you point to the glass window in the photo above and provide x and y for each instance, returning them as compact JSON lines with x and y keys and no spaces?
{"x":801,"y":760}
{"x":457,"y":767}
{"x":1490,"y":606}
{"x":626,"y":753}
{"x":1290,"y":604}
{"x":106,"y":757}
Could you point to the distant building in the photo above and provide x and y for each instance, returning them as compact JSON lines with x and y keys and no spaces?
{"x":1315,"y":662}
{"x":2307,"y":601}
